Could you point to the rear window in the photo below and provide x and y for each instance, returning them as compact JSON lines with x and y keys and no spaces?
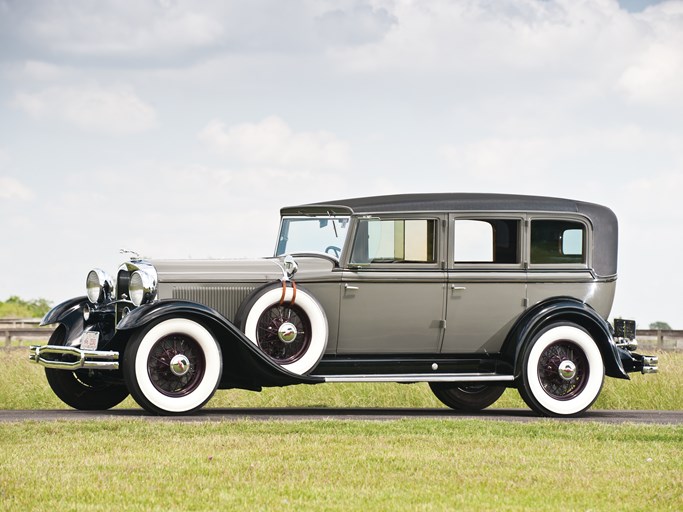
{"x":486,"y":241}
{"x":558,"y":241}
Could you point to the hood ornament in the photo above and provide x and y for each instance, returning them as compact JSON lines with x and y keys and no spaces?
{"x":132,"y":254}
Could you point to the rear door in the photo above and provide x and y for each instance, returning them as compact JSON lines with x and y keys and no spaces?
{"x":486,"y":282}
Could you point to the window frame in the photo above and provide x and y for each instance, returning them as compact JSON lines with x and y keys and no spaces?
{"x":439,"y":221}
{"x":587,"y":241}
{"x":520,"y":218}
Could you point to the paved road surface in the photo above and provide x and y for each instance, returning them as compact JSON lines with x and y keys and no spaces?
{"x":523,"y":415}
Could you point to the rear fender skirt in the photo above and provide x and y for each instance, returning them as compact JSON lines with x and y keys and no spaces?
{"x":244,"y":364}
{"x":565,"y":309}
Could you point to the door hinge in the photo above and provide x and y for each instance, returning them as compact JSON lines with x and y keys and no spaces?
{"x":442,"y":324}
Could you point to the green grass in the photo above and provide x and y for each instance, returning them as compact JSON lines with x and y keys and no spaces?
{"x":339,"y":465}
{"x":23,"y":386}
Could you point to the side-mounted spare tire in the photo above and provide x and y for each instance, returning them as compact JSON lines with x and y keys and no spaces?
{"x":287,"y":323}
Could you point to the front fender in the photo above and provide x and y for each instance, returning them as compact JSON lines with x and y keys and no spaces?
{"x":63,"y":312}
{"x":69,"y":314}
{"x":565,"y":309}
{"x":245,"y":365}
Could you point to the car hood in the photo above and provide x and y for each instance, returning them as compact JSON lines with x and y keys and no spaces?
{"x":238,"y":270}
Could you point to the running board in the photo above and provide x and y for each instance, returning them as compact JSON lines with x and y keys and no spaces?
{"x":420,"y":377}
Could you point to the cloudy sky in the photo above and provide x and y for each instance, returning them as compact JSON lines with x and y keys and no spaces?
{"x":179,"y":128}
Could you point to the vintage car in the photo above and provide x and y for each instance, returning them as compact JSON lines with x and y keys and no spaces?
{"x":471,"y":293}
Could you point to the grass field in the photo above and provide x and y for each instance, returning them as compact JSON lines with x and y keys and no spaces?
{"x":413,"y":464}
{"x":339,"y":465}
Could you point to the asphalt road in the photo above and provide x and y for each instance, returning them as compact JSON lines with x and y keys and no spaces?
{"x":520,"y":415}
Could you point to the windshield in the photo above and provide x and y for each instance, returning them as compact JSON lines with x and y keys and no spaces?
{"x":312,"y":234}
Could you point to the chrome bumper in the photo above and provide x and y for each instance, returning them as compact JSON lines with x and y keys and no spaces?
{"x":50,"y":356}
{"x":646,"y":364}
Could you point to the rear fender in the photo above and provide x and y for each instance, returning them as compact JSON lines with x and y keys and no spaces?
{"x":244,"y":364}
{"x":565,"y":309}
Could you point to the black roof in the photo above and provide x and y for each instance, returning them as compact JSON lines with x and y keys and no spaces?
{"x":605,"y":227}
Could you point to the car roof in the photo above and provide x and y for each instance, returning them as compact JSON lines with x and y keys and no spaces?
{"x":605,"y":227}
{"x":446,"y":203}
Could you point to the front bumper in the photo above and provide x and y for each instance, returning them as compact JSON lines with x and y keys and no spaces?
{"x":71,"y":358}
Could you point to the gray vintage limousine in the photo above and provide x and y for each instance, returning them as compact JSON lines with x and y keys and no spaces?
{"x":471,"y":293}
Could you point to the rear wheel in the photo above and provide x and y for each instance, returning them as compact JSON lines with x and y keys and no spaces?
{"x":86,"y":390}
{"x":173,"y":366}
{"x":466,"y":397}
{"x":562,"y":371}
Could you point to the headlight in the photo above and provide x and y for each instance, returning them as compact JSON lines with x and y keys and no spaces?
{"x":99,"y":286}
{"x":143,"y":287}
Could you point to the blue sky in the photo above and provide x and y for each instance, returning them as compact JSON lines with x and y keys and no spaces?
{"x":178,"y":129}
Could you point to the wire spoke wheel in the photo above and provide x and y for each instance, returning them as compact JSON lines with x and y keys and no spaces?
{"x":176,"y":365}
{"x":284,"y":333}
{"x":563,"y":370}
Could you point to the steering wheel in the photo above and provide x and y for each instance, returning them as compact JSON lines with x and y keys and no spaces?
{"x":336,"y":250}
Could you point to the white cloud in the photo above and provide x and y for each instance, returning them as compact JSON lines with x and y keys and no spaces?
{"x":11,"y":188}
{"x":272,"y":142}
{"x":104,"y":109}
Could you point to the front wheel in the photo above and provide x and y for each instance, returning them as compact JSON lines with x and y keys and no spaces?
{"x":85,"y":390}
{"x":466,"y":397}
{"x":172,"y":366}
{"x":562,"y":371}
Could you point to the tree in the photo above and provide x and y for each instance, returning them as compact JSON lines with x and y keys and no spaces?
{"x":660,"y":326}
{"x":15,"y":307}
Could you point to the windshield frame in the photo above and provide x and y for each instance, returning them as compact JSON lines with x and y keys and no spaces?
{"x":336,"y":220}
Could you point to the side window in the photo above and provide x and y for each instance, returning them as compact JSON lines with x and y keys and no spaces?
{"x":558,"y":241}
{"x":486,"y":241}
{"x":394,"y":241}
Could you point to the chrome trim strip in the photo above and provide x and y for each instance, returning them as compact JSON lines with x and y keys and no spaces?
{"x":87,"y":359}
{"x":420,"y":377}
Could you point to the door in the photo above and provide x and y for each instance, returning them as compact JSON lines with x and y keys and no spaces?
{"x":392,"y":296}
{"x":486,"y":283}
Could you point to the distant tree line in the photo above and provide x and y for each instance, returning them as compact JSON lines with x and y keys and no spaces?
{"x":660,"y":326}
{"x":15,"y":307}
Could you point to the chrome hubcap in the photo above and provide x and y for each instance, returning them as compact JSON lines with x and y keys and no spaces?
{"x":287,"y":332}
{"x":567,"y":369}
{"x":180,"y":365}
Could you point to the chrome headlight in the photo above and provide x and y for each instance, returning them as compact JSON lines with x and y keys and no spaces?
{"x":143,"y":287}
{"x":99,"y":286}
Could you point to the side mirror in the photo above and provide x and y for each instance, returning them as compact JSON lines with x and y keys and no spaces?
{"x":290,"y":266}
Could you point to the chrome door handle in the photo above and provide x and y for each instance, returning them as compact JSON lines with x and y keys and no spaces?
{"x":349,"y":287}
{"x":453,"y":287}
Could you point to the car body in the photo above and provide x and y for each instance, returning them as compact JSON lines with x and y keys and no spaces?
{"x":471,"y":293}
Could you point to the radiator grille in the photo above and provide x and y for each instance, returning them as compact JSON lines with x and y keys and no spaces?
{"x":224,"y":299}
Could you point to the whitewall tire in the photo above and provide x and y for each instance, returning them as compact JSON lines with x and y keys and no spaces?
{"x":173,"y":366}
{"x":292,"y":330}
{"x":562,"y":371}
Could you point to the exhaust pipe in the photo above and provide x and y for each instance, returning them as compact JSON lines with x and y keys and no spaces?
{"x":650,"y":364}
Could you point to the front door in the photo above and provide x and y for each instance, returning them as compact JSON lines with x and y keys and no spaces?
{"x":392,"y":295}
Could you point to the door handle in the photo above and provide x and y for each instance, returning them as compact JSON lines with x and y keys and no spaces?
{"x":349,"y":287}
{"x":454,"y":288}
